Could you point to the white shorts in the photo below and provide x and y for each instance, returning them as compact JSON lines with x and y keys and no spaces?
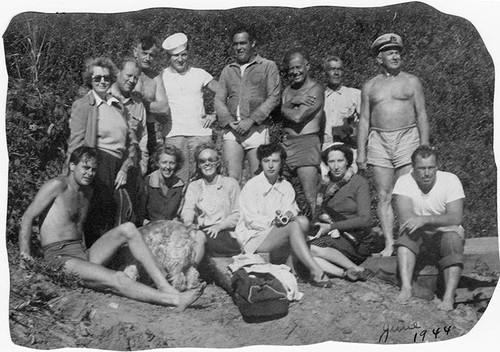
{"x":250,"y":141}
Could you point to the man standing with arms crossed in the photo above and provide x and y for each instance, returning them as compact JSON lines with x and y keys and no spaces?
{"x":393,"y":114}
{"x":184,"y":87}
{"x":249,"y":91}
{"x":152,"y":92}
{"x":64,"y":202}
{"x":303,"y":111}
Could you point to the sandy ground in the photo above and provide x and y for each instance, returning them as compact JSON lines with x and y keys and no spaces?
{"x":352,"y":312}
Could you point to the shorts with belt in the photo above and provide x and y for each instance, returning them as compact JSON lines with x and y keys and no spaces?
{"x":58,"y":253}
{"x":392,"y":149}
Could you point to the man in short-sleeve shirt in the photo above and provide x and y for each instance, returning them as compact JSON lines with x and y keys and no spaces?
{"x":184,"y":87}
{"x":430,"y":208}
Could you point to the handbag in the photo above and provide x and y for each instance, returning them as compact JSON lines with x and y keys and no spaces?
{"x":259,"y":296}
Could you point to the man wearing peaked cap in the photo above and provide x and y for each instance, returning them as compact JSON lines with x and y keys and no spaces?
{"x":386,"y":41}
{"x":184,"y":86}
{"x":394,"y":122}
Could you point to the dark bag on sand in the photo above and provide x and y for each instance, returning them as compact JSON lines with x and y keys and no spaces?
{"x":259,"y":296}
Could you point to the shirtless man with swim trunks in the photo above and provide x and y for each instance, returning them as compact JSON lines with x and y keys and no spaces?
{"x":64,"y":203}
{"x":302,"y":109}
{"x":394,"y":121}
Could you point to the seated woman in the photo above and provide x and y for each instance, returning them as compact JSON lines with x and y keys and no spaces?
{"x":259,"y":229}
{"x":211,"y":202}
{"x":163,"y":190}
{"x":342,"y":234}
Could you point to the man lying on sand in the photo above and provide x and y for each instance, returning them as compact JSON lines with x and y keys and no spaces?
{"x":64,"y":202}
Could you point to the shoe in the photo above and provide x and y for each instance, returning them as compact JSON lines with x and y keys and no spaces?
{"x":324,"y":282}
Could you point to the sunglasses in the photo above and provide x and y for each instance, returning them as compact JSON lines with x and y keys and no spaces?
{"x":209,"y":160}
{"x":98,"y":78}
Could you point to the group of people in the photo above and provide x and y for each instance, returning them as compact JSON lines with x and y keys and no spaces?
{"x":132,"y":112}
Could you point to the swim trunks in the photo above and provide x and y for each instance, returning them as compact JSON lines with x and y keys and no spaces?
{"x":58,"y":253}
{"x":392,"y":149}
{"x":302,"y":150}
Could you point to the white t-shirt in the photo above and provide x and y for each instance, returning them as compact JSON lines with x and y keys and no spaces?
{"x":447,"y":189}
{"x":185,"y":98}
{"x":339,"y":105}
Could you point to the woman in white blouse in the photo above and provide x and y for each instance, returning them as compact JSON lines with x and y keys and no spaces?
{"x":269,"y":214}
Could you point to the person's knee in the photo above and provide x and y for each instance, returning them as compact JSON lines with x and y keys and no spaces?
{"x":451,"y":242}
{"x":129,"y":230}
{"x":303,"y":223}
{"x":316,"y":251}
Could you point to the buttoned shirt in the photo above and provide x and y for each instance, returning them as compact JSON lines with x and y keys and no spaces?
{"x":259,"y":201}
{"x":254,"y":94}
{"x":339,"y":105}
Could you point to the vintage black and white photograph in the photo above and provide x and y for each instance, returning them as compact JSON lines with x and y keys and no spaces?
{"x":244,"y":174}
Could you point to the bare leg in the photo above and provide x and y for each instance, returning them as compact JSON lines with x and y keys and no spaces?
{"x":233,"y":155}
{"x":335,"y":257}
{"x":308,"y":177}
{"x":253,"y":162}
{"x":107,"y":245}
{"x":406,"y":265}
{"x":451,"y":277}
{"x":329,"y":268}
{"x":384,"y":182}
{"x":452,"y":246}
{"x":98,"y":277}
{"x":293,"y":232}
{"x":200,"y":246}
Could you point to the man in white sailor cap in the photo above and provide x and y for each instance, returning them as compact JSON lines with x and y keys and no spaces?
{"x":184,"y":87}
{"x":394,"y":122}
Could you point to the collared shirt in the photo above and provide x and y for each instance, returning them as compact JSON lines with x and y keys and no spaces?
{"x":185,"y":97}
{"x":254,"y":94}
{"x":259,"y":200}
{"x":161,"y":202}
{"x":339,"y":105}
{"x":211,"y":204}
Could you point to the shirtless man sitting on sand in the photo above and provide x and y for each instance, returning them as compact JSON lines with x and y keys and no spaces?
{"x":64,"y":201}
{"x":393,"y":113}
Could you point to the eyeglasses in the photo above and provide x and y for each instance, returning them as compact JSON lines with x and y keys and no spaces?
{"x":202,"y":161}
{"x":98,"y":78}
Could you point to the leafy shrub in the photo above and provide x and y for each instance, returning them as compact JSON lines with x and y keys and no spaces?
{"x":45,"y":55}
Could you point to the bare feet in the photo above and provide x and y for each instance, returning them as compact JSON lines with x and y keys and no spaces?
{"x":387,"y":252}
{"x":404,"y":296}
{"x":187,"y":298}
{"x":445,"y":305}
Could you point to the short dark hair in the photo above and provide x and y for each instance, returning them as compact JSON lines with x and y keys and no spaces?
{"x":146,"y":42}
{"x":103,"y":62}
{"x":348,"y":154}
{"x":244,"y":29}
{"x":297,"y":50}
{"x":424,"y":151}
{"x":83,"y":153}
{"x":169,"y":149}
{"x":197,"y":152}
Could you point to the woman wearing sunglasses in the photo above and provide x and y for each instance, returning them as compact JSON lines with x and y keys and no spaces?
{"x":98,"y":120}
{"x":211,"y":202}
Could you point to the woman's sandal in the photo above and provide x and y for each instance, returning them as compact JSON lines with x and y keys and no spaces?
{"x":324,"y":282}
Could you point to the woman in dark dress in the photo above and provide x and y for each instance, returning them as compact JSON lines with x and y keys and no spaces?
{"x":342,"y":238}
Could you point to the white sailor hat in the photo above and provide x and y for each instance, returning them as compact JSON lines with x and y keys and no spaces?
{"x":175,"y":44}
{"x":385,"y":41}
